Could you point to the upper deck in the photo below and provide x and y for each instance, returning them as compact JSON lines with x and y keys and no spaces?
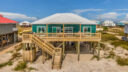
{"x":96,"y":37}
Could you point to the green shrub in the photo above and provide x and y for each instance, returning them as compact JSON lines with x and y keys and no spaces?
{"x":105,"y":28}
{"x":102,"y":46}
{"x":125,"y":46}
{"x":120,"y":43}
{"x":19,"y":48}
{"x":31,"y":68}
{"x":120,"y":32}
{"x":111,"y":55}
{"x":5,"y":64}
{"x":10,"y":63}
{"x":95,"y":57}
{"x":109,"y":37}
{"x":15,"y":55}
{"x":122,"y":61}
{"x":20,"y":66}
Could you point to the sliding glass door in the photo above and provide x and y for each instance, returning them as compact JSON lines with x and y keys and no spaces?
{"x":41,"y":29}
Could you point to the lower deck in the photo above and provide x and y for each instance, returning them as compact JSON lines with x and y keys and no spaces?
{"x":8,"y":38}
{"x":68,"y":42}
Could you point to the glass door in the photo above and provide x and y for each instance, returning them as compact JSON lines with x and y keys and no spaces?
{"x":87,"y":29}
{"x":56,"y":29}
{"x":68,"y":29}
{"x":41,"y":29}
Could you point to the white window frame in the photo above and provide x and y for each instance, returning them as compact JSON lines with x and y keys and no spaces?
{"x":57,"y":27}
{"x":87,"y":27}
{"x":41,"y":28}
{"x":68,"y":29}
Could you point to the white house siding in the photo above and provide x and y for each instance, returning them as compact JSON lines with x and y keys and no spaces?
{"x":7,"y":28}
{"x":126,"y":28}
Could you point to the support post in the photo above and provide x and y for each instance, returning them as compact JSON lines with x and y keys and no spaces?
{"x":80,"y":31}
{"x":78,"y":50}
{"x":63,"y":49}
{"x":47,"y":29}
{"x":43,"y":56}
{"x":63,"y":31}
{"x":47,"y":56}
{"x":31,"y":53}
{"x":98,"y":50}
{"x":24,"y":46}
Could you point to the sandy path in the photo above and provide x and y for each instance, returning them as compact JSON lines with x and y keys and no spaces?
{"x":70,"y":64}
{"x":8,"y":48}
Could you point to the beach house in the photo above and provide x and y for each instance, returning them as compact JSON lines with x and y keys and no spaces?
{"x":8,"y":31}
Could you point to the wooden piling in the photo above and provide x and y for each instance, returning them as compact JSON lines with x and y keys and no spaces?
{"x":78,"y":50}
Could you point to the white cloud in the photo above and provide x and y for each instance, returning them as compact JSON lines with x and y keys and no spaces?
{"x":110,"y":15}
{"x":126,"y":17}
{"x":79,"y":11}
{"x":18,"y":16}
{"x":121,"y":9}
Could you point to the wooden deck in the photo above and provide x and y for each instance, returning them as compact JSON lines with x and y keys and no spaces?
{"x":95,"y":37}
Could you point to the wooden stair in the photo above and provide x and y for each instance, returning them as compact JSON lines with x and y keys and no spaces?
{"x":56,"y":53}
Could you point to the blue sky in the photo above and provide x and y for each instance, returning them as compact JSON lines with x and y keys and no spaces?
{"x":32,"y":10}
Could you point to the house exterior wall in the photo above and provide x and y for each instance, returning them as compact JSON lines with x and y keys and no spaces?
{"x":93,"y":28}
{"x":7,"y":28}
{"x":126,"y":29}
{"x":76,"y":27}
{"x":34,"y":27}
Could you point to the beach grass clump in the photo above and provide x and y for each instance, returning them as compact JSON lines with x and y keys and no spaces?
{"x":109,"y":37}
{"x":120,"y":32}
{"x":120,"y":43}
{"x":18,"y":48}
{"x":6,"y":63}
{"x":21,"y":66}
{"x":95,"y":57}
{"x":15,"y":55}
{"x":122,"y":61}
{"x":31,"y":68}
{"x":111,"y":55}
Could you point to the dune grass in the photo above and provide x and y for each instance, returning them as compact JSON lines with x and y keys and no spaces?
{"x":122,"y":61}
{"x":21,"y":66}
{"x":108,"y":37}
{"x":6,"y":63}
{"x":114,"y":41}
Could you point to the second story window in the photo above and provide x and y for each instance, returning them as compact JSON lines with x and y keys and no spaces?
{"x":41,"y":29}
{"x":68,"y":29}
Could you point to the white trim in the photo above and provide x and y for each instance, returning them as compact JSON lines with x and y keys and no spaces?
{"x":68,"y":28}
{"x":56,"y":29}
{"x":87,"y":27}
{"x":41,"y":27}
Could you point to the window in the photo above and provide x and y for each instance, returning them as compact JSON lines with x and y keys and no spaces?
{"x":41,"y":29}
{"x":87,"y":29}
{"x":68,"y":29}
{"x":56,"y":29}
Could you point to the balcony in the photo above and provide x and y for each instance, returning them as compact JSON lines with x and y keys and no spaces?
{"x":70,"y":36}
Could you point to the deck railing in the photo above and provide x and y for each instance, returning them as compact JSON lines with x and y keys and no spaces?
{"x":69,"y":35}
{"x":64,"y":36}
{"x":27,"y":38}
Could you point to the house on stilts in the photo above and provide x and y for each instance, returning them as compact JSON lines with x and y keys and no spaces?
{"x":125,"y":38}
{"x":8,"y":31}
{"x":58,"y":33}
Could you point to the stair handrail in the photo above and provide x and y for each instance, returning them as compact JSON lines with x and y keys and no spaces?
{"x":40,"y":41}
